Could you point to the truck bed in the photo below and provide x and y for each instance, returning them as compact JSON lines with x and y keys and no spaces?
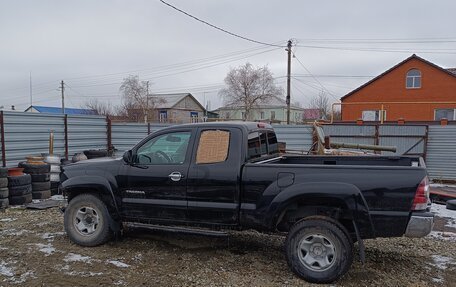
{"x":345,"y":160}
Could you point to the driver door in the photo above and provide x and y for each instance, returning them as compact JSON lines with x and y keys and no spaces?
{"x":157,"y":178}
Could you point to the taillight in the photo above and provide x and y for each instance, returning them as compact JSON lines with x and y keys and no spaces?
{"x":422,"y":195}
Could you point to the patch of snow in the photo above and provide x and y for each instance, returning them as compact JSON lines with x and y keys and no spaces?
{"x":14,"y":232}
{"x":84,"y":274}
{"x":118,"y":283}
{"x":442,"y":262}
{"x":7,"y":219}
{"x":48,"y":249}
{"x":72,"y":257}
{"x":448,"y":236}
{"x":118,"y":263}
{"x":437,"y":280}
{"x":441,"y":211}
{"x":5,"y":270}
{"x":58,"y":197}
{"x":23,"y":277}
{"x":51,"y":236}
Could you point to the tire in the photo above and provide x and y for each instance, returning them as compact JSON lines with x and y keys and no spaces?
{"x":43,"y":194}
{"x":96,"y":153}
{"x":55,"y":169}
{"x":65,"y":162}
{"x":41,"y":177}
{"x":310,"y":240}
{"x":35,"y":168}
{"x":20,"y":190}
{"x":52,"y":159}
{"x":78,"y":157}
{"x":21,"y":199}
{"x":55,"y":177}
{"x":19,"y":180}
{"x":3,"y":182}
{"x":3,"y":172}
{"x":451,"y":204}
{"x":83,"y":231}
{"x":39,"y":186}
{"x":4,"y":192}
{"x":4,"y":203}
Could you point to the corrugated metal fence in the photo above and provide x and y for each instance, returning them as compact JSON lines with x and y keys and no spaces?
{"x":406,"y":138}
{"x":28,"y":134}
{"x":441,"y":152}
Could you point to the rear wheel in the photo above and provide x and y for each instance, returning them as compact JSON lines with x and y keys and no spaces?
{"x":86,"y":220}
{"x":318,"y":251}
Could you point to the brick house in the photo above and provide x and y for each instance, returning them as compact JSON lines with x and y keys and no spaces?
{"x":414,"y":90}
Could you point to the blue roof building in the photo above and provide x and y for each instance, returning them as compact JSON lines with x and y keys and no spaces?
{"x":55,"y":110}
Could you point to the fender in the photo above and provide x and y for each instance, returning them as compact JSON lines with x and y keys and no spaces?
{"x":87,"y":181}
{"x":348,"y":194}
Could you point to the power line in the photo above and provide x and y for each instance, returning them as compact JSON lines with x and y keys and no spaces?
{"x":383,"y":50}
{"x":218,"y":28}
{"x":315,"y":78}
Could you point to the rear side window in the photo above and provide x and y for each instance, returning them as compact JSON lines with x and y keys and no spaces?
{"x":273,"y":146}
{"x":213,"y":146}
{"x":261,"y":143}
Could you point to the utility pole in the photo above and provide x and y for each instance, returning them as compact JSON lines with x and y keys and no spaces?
{"x":147,"y":102}
{"x":31,"y":98}
{"x":62,"y":89}
{"x":288,"y":49}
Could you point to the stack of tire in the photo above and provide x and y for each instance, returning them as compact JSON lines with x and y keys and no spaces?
{"x":54,"y":162}
{"x":20,"y":189}
{"x":40,"y":179}
{"x":4,"y":192}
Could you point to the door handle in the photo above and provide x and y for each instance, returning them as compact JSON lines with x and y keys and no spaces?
{"x":175,"y":176}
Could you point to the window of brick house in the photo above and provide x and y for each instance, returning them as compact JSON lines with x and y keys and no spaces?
{"x":448,"y":114}
{"x":373,"y":115}
{"x":413,"y":79}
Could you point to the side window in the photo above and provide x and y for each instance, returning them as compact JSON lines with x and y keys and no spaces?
{"x":164,"y":149}
{"x":213,"y":146}
{"x":257,"y":145}
{"x":273,"y":146}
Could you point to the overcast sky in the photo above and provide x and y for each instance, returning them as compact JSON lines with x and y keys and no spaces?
{"x":93,"y":45}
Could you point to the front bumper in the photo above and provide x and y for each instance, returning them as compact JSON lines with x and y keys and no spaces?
{"x":420,"y":224}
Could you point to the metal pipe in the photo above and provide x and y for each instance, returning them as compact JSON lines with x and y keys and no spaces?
{"x":2,"y":123}
{"x":363,"y":146}
{"x":51,"y":142}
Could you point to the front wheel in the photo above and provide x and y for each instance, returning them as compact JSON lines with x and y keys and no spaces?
{"x":86,"y":220}
{"x":318,"y":251}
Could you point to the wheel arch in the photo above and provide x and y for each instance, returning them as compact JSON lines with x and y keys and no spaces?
{"x":95,"y":185}
{"x":340,"y":201}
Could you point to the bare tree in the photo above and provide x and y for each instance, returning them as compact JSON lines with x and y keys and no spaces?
{"x":137,"y":104}
{"x":101,"y":108}
{"x":248,"y":87}
{"x":322,"y":103}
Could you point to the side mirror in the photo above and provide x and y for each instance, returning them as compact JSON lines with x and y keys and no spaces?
{"x":127,"y":156}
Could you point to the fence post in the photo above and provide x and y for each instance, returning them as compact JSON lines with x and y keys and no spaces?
{"x":109,"y":133}
{"x":426,"y":137}
{"x":148,"y":128}
{"x":2,"y":123}
{"x":65,"y":122}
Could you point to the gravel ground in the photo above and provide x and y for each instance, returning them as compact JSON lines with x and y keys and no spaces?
{"x":34,"y":251}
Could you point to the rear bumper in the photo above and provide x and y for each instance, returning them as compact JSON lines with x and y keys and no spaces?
{"x":420,"y":224}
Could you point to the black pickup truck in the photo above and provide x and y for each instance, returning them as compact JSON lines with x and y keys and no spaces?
{"x":212,"y":177}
